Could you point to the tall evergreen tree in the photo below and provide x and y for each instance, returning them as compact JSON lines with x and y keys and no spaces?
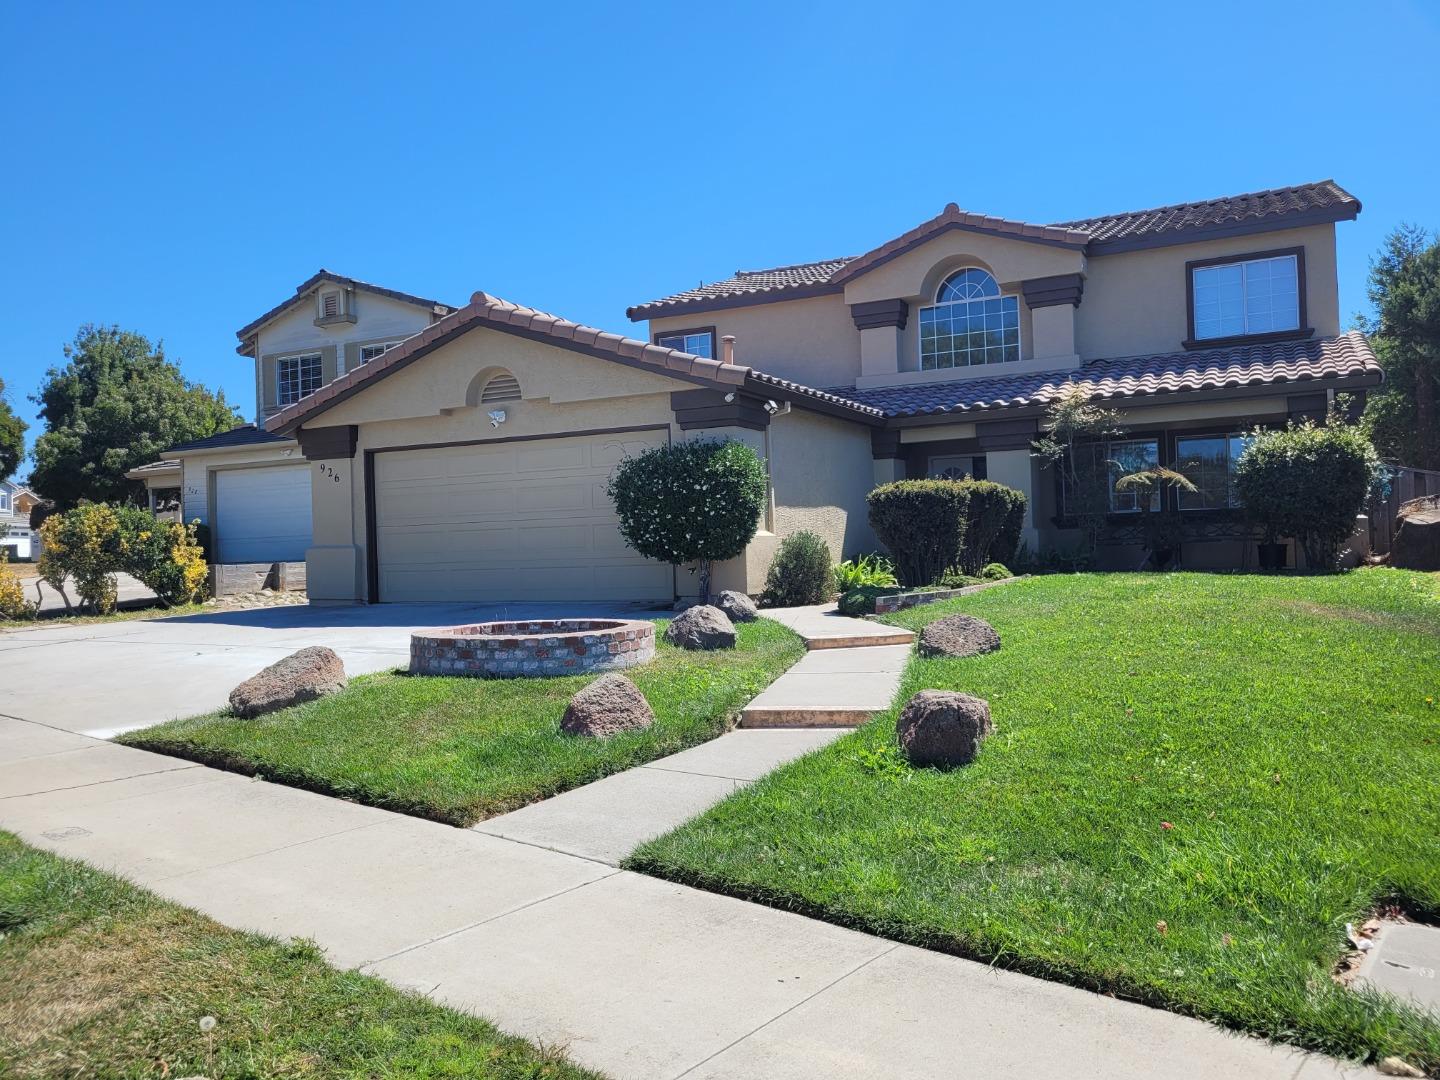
{"x":12,"y":437}
{"x":117,"y":403}
{"x":1402,"y":417}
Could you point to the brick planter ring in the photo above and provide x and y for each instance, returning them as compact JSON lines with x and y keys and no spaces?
{"x":509,"y":650}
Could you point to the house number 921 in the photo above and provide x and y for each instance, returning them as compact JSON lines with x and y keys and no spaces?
{"x":329,"y":470}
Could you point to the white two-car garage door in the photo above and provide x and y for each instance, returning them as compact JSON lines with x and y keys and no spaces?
{"x":262,"y":515}
{"x":509,"y":521}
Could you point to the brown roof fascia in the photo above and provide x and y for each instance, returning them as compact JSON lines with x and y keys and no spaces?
{"x":773,"y":295}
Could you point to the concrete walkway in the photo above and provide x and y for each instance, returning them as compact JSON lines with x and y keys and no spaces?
{"x":635,"y":977}
{"x":851,"y":672}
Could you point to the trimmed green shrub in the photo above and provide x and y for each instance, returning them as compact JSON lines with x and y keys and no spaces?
{"x":800,"y":573}
{"x":995,"y":572}
{"x":953,"y":579}
{"x":695,"y":501}
{"x":861,"y":601}
{"x":165,"y":556}
{"x":990,"y":509}
{"x":863,"y":571}
{"x":1006,"y":546}
{"x":921,"y":523}
{"x":1309,"y":481}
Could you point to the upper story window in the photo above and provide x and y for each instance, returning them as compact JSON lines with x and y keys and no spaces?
{"x":296,"y":377}
{"x":695,"y":342}
{"x":1247,"y":295}
{"x":370,"y":352}
{"x":4,"y":501}
{"x":969,"y":323}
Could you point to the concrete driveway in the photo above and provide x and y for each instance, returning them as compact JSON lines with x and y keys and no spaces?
{"x":106,"y":678}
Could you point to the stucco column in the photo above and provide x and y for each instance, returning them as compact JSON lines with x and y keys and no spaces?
{"x":333,"y":564}
{"x":880,"y":350}
{"x":1019,"y":470}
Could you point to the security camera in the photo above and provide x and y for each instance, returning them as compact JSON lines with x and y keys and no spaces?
{"x":497,"y":417}
{"x":771,"y":407}
{"x":730,"y":398}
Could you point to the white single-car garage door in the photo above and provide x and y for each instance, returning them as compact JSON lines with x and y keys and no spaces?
{"x":510,"y":521}
{"x":262,"y":515}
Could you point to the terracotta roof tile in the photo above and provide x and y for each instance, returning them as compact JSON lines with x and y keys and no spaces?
{"x":1345,"y":357}
{"x":1097,"y":234}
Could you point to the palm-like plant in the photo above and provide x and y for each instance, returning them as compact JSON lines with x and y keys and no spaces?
{"x":1161,"y":529}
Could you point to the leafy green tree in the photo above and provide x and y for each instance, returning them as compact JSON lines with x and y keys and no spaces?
{"x":116,"y":404}
{"x":12,"y":437}
{"x":1402,"y":417}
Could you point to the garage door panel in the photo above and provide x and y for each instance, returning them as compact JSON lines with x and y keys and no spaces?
{"x":528,"y":520}
{"x":262,"y":515}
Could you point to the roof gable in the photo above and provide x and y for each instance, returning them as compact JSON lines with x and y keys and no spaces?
{"x":303,"y":291}
{"x":511,"y":318}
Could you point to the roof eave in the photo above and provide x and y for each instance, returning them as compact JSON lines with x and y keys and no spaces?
{"x":660,"y":309}
{"x":1325,"y":215}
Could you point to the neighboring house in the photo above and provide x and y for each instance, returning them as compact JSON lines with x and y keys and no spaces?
{"x":19,"y":540}
{"x":470,"y":461}
{"x":252,"y":487}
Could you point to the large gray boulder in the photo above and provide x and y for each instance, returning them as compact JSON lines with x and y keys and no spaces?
{"x":609,"y":705}
{"x":958,"y":635}
{"x":943,"y":728}
{"x":1416,"y":545}
{"x":738,"y":606}
{"x":701,"y":627}
{"x":302,"y":676}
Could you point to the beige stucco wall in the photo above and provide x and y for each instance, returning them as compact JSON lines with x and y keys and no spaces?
{"x":1135,"y":302}
{"x":812,"y":341}
{"x":377,"y":319}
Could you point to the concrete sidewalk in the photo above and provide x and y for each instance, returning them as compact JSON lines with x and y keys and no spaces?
{"x":636,"y":977}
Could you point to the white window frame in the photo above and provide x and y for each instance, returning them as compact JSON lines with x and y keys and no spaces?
{"x":1000,"y":294}
{"x":684,"y":337}
{"x":1243,"y":265}
{"x":5,"y":502}
{"x":383,"y":346}
{"x":298,"y":359}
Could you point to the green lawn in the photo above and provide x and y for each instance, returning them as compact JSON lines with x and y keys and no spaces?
{"x":458,"y":750}
{"x":1194,"y":782}
{"x":101,"y":979}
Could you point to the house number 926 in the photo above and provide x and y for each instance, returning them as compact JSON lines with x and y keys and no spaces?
{"x":329,"y":470}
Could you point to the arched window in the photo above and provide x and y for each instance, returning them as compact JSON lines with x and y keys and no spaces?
{"x":969,"y":323}
{"x":502,"y":386}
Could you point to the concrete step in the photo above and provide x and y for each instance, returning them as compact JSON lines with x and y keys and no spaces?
{"x":888,"y":636}
{"x":804,"y":717}
{"x":845,"y":688}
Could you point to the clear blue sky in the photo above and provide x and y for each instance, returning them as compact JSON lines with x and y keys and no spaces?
{"x":179,"y":172}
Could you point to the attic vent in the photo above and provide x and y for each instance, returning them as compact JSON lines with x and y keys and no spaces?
{"x":502,"y":387}
{"x":329,"y":305}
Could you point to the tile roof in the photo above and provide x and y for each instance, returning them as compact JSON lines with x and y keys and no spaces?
{"x":164,"y":465}
{"x":318,"y":278}
{"x":752,"y":283}
{"x":1284,"y":207}
{"x":1324,"y":196}
{"x":1347,"y":357}
{"x":244,"y":435}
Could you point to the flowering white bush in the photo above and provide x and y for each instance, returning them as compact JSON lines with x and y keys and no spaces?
{"x":695,"y":501}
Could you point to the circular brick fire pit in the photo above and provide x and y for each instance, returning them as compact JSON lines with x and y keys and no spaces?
{"x":504,"y":650}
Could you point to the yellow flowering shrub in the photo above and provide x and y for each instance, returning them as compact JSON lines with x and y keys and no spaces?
{"x":82,"y":545}
{"x":13,"y":604}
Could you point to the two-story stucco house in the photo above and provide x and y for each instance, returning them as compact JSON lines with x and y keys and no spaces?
{"x":16,"y":537}
{"x":252,"y":487}
{"x":469,"y":462}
